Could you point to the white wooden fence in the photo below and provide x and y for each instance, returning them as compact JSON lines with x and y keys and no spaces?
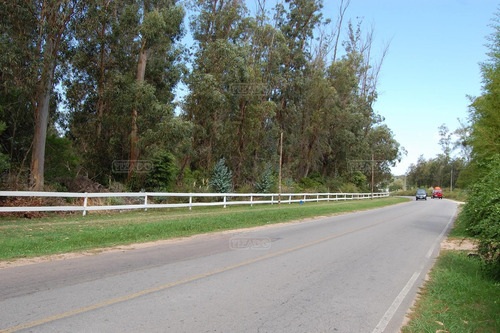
{"x":188,"y":198}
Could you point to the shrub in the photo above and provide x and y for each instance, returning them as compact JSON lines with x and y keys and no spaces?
{"x":4,"y":159}
{"x":349,"y":188}
{"x":482,"y":216}
{"x":162,"y":177}
{"x":265,"y":182}
{"x":60,"y":158}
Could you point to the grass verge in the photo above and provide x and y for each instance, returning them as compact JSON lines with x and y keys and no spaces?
{"x":459,"y":297}
{"x":23,"y":238}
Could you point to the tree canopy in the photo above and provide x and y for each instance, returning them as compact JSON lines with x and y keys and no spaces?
{"x":105,"y":75}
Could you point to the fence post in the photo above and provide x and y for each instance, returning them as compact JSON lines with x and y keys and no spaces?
{"x":290,"y":200}
{"x":85,"y":204}
{"x":251,"y":201}
{"x":145,"y":202}
{"x":190,"y":202}
{"x":272,"y":199}
{"x":317,"y":197}
{"x":224,"y":201}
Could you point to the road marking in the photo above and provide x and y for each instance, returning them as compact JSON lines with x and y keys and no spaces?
{"x":386,"y":318}
{"x":389,"y":314}
{"x":186,"y":280}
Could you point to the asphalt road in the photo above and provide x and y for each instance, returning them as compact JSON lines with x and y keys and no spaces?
{"x":351,"y":273}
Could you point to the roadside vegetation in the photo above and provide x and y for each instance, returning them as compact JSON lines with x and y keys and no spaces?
{"x":110,"y":95}
{"x":22,"y":238}
{"x":461,"y":295}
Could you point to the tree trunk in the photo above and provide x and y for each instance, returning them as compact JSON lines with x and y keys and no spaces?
{"x":134,"y":138}
{"x":102,"y":74}
{"x":42,"y":120}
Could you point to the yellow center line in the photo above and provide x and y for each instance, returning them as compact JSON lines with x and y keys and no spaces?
{"x":183,"y":281}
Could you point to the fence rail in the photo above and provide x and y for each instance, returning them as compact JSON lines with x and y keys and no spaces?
{"x":189,"y":198}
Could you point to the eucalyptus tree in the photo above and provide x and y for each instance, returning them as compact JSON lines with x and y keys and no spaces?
{"x":296,"y":20}
{"x":125,"y":65}
{"x":254,"y":77}
{"x":98,"y":85}
{"x":220,"y":72}
{"x":34,"y":38}
{"x":356,"y":133}
{"x":484,"y":138}
{"x":316,"y":107}
{"x":160,"y":26}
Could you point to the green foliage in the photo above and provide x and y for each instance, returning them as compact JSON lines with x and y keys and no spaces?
{"x":360,"y":181}
{"x":61,"y":160}
{"x":396,"y":185}
{"x":482,"y":211}
{"x":222,"y":178}
{"x":101,"y":86}
{"x":4,"y":159}
{"x":314,"y":182}
{"x":161,"y":178}
{"x":439,"y":171}
{"x":254,"y":78}
{"x":482,"y":215}
{"x":249,"y":78}
{"x":265,"y":182}
{"x":349,"y":188}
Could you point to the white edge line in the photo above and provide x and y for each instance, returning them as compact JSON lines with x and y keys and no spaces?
{"x":381,"y":326}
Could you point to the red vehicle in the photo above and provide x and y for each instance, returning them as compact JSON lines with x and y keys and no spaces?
{"x":437,"y":192}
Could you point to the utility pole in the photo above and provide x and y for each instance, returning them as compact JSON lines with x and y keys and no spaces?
{"x":372,"y":161}
{"x":451,"y":181}
{"x":279,"y":176}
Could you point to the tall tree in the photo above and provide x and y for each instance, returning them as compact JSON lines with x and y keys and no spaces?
{"x":297,"y":22}
{"x":219,"y":65}
{"x":42,"y":26}
{"x":160,"y":26}
{"x":103,"y":89}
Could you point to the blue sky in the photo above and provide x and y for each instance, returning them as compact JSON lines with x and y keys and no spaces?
{"x":431,"y":67}
{"x":432,"y":64}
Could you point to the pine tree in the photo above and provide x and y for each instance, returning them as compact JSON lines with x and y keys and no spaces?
{"x":266,"y":181}
{"x":222,"y":178}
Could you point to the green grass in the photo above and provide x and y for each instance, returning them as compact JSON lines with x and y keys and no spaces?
{"x":459,"y":297}
{"x":21,"y":238}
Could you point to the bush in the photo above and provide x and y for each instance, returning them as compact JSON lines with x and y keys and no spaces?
{"x":361,"y":182}
{"x":349,"y":188}
{"x":60,"y":158}
{"x":312,"y":183}
{"x":482,"y":216}
{"x":265,"y":182}
{"x":4,"y":159}
{"x":162,"y":177}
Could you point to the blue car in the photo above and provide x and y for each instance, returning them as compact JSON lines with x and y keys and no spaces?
{"x":421,"y":194}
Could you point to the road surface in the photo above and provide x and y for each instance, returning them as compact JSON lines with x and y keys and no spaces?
{"x":357,"y":272}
